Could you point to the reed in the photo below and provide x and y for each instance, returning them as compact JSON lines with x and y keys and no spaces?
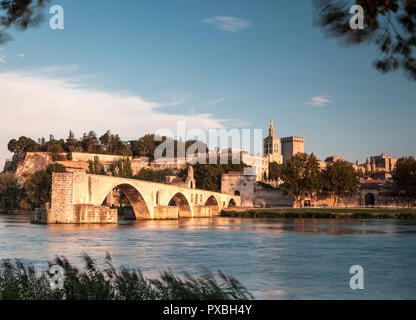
{"x":19,"y":281}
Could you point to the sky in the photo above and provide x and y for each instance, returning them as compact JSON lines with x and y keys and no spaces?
{"x":135,"y":67}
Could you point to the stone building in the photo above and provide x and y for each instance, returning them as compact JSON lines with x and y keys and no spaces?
{"x":292,"y":146}
{"x":253,"y":193}
{"x":380,"y":167}
{"x":241,"y":185}
{"x":176,"y":181}
{"x":259,"y":164}
{"x":332,"y":159}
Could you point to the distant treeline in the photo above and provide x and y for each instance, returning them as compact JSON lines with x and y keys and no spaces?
{"x":108,"y":143}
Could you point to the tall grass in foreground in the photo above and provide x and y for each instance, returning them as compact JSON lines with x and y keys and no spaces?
{"x":19,"y":281}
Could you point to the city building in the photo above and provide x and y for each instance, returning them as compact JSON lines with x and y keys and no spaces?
{"x":292,"y":146}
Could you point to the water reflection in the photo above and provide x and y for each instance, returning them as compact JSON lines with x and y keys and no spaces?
{"x":274,"y":258}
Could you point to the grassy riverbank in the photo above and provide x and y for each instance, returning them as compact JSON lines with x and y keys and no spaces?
{"x":323,"y":213}
{"x":20,"y":282}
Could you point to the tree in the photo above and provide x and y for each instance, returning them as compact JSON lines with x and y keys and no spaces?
{"x":340,"y":178}
{"x":389,"y":25}
{"x":9,"y":190}
{"x":20,"y":15}
{"x":123,"y":168}
{"x":22,"y":145}
{"x":38,"y":188}
{"x":404,"y":176}
{"x":144,"y":147}
{"x":208,"y":176}
{"x":90,"y":143}
{"x":105,"y":140}
{"x":275,"y":170}
{"x":95,"y":167}
{"x":153,"y":175}
{"x":301,"y":176}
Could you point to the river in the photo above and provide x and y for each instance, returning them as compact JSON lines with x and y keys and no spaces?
{"x":273,"y":258}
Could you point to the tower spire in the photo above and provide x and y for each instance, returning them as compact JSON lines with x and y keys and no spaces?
{"x":271,"y":130}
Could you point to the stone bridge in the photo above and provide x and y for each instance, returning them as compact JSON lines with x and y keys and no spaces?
{"x":78,"y":197}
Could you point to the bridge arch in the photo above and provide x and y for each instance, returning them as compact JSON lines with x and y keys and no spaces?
{"x":180,"y":201}
{"x":138,"y":203}
{"x":231,"y":204}
{"x":213,"y":202}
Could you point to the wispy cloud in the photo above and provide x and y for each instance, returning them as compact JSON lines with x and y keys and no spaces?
{"x":216,"y":101}
{"x":231,"y":24}
{"x":38,"y":104}
{"x":21,"y":55}
{"x":318,"y":101}
{"x":2,"y":59}
{"x":175,"y":99}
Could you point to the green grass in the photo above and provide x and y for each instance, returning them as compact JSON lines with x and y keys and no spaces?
{"x":20,"y":282}
{"x":323,"y":213}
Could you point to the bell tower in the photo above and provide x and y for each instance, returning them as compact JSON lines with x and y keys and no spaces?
{"x":271,"y":129}
{"x":272,"y":145}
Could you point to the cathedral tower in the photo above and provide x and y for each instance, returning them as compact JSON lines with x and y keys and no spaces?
{"x":272,"y":145}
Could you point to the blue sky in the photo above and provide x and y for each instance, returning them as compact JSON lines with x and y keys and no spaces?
{"x":178,"y":59}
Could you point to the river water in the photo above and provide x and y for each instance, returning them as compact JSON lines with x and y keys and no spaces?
{"x":274,"y":259}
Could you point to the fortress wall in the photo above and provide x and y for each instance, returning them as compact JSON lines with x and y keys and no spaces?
{"x":269,"y":198}
{"x":104,"y":158}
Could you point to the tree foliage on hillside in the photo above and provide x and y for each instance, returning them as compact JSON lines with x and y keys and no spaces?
{"x":389,"y":25}
{"x":108,"y":143}
{"x":153,"y":175}
{"x":38,"y":188}
{"x":404,"y":176}
{"x":95,"y":167}
{"x":122,"y":168}
{"x":208,"y":176}
{"x":146,"y":146}
{"x":9,"y":190}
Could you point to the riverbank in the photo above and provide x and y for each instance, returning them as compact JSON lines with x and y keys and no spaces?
{"x":323,"y":213}
{"x":15,"y":212}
